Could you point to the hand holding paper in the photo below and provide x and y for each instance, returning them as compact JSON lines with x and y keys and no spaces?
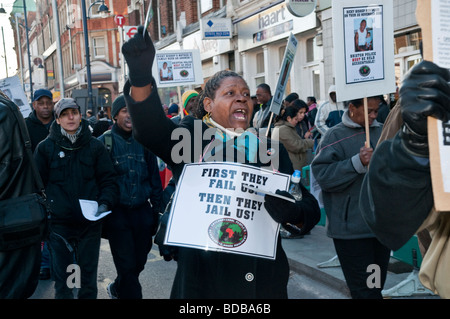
{"x":282,"y":210}
{"x":92,"y":211}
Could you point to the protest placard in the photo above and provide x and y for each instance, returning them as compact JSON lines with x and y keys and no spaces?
{"x":13,"y":89}
{"x":178,"y":67}
{"x":363,"y":38}
{"x":434,"y":20}
{"x":288,"y":59}
{"x":215,"y":209}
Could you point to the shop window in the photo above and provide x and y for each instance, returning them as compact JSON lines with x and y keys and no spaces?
{"x":407,"y":42}
{"x":104,"y":98}
{"x":260,"y":69}
{"x":260,"y":63}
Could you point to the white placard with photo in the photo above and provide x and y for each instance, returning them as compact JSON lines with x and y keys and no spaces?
{"x":178,"y":67}
{"x":363,"y":38}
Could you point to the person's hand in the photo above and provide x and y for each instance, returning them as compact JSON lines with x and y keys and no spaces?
{"x":281,"y":210}
{"x":139,"y":52}
{"x":365,"y":154}
{"x":425,"y":92}
{"x":101,"y":209}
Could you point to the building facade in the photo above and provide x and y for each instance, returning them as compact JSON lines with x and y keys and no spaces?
{"x":260,"y":30}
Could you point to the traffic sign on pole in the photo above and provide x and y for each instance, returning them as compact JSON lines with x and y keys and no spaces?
{"x":128,"y":32}
{"x":119,"y":20}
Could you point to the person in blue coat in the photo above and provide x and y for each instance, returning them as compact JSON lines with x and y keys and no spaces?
{"x":134,"y":219}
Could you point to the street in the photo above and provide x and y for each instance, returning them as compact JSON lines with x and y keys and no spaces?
{"x":157,"y":278}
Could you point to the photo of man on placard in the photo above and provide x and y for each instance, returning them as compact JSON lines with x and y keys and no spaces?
{"x":363,"y":34}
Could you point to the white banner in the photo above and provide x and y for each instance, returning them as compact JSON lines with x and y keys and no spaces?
{"x":215,"y":209}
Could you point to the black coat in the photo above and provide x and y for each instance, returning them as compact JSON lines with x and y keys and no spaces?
{"x":19,"y":269}
{"x":70,"y":172}
{"x":38,"y":131}
{"x":207,"y":274}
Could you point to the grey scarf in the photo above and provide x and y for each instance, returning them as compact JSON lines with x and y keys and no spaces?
{"x":72,"y":137}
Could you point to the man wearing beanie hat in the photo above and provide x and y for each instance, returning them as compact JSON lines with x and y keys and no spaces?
{"x":188,"y":100}
{"x":133,"y":222}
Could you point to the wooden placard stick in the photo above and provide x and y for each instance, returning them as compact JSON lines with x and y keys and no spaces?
{"x":366,"y":121}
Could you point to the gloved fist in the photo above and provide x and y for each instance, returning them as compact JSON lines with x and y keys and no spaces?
{"x":101,"y":209}
{"x":139,"y":52}
{"x":425,"y":92}
{"x":281,"y":210}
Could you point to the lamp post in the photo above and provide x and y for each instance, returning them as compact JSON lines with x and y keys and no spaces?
{"x":28,"y":48}
{"x":2,"y":10}
{"x":4,"y":50}
{"x":102,"y":9}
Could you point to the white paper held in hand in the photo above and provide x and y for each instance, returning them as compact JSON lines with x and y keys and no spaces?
{"x":89,"y":209}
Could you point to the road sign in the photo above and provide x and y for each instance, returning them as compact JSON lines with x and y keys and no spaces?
{"x":119,"y":20}
{"x":128,"y":32}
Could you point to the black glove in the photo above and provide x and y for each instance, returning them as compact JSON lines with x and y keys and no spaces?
{"x":139,"y":52}
{"x":101,"y":209}
{"x":424,"y":92}
{"x":167,"y":252}
{"x":281,"y":210}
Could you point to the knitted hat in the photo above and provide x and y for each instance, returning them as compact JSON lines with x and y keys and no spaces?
{"x":187,"y":96}
{"x":118,"y":104}
{"x":65,"y":103}
{"x":173,"y":109}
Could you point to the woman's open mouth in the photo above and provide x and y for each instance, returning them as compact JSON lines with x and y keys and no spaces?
{"x":240,"y":114}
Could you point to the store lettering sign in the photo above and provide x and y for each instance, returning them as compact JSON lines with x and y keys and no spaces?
{"x":266,"y":20}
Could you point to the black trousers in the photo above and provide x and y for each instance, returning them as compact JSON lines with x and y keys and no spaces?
{"x":355,"y":256}
{"x":130,"y":231}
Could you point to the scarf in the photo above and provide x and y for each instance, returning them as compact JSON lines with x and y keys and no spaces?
{"x":72,"y":137}
{"x":245,"y":142}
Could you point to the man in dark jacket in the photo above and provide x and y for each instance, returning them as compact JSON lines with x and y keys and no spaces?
{"x":38,"y":124}
{"x":134,"y":220}
{"x":262,"y":116}
{"x":19,"y":269}
{"x":400,"y":171}
{"x":75,"y":166}
{"x":41,"y":118}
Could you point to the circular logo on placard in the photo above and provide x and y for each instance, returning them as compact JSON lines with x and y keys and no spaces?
{"x":227,"y":232}
{"x":364,"y":70}
{"x":184,"y":73}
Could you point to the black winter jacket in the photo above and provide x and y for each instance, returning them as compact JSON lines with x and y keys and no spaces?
{"x":70,"y":172}
{"x":208,"y":274}
{"x":19,"y":269}
{"x":38,"y":131}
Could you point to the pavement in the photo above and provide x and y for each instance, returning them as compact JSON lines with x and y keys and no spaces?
{"x":305,"y":254}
